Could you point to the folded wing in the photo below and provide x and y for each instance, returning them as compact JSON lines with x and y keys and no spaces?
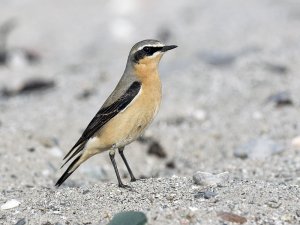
{"x":103,"y":116}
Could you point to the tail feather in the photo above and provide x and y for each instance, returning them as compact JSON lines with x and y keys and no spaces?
{"x":80,"y":148}
{"x":68,"y":172}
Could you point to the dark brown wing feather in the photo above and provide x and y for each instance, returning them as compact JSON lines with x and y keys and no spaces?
{"x":104,"y":115}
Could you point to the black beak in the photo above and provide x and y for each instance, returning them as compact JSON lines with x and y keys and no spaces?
{"x":168,"y":47}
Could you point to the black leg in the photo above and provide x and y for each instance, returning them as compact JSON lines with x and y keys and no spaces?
{"x":112,"y":158}
{"x":121,"y":151}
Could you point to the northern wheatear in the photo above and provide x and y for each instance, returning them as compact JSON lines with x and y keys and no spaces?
{"x":126,"y":113}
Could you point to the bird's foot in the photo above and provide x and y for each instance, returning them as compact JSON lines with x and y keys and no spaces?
{"x":133,"y":179}
{"x":121,"y":185}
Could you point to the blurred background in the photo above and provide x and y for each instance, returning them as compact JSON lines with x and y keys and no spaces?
{"x":231,"y":88}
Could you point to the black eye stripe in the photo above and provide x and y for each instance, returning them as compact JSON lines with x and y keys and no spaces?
{"x":145,"y":51}
{"x":149,"y":50}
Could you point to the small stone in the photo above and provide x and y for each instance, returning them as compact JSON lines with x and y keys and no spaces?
{"x":85,"y":94}
{"x":171,"y":197}
{"x":199,"y":114}
{"x":47,"y":223}
{"x":21,"y":222}
{"x":204,"y":178}
{"x":282,"y":98}
{"x":86,"y":191}
{"x":260,"y":148}
{"x":298,"y":213}
{"x":32,"y":149}
{"x":33,"y":85}
{"x":287,"y":218}
{"x":296,"y":142}
{"x":171,"y":165}
{"x":156,"y":149}
{"x":205,"y":194}
{"x":230,"y":217}
{"x":193,"y":209}
{"x":48,"y":142}
{"x":10,"y":204}
{"x":129,"y":218}
{"x":276,"y":68}
{"x":273,"y":204}
{"x":56,"y":151}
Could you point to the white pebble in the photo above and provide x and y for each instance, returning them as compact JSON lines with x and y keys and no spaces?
{"x":200,"y":115}
{"x":10,"y":204}
{"x":296,"y":142}
{"x":204,"y":178}
{"x":193,"y":209}
{"x":57,"y":152}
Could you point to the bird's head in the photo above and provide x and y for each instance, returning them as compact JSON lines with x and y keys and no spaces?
{"x":148,"y":52}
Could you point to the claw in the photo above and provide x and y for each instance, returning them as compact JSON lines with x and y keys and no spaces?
{"x":124,"y":186}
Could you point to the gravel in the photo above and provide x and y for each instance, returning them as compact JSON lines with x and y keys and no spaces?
{"x":233,"y":83}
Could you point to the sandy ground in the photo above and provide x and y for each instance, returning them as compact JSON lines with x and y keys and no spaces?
{"x":231,"y":103}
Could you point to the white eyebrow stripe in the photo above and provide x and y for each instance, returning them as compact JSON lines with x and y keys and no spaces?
{"x":154,"y":55}
{"x":149,"y":45}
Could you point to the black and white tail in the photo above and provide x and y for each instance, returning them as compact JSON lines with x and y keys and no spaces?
{"x":68,"y":172}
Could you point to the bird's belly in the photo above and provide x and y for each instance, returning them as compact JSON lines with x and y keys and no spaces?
{"x":128,"y":125}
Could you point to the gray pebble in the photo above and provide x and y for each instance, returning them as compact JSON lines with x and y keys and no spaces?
{"x":282,"y":98}
{"x":156,"y":149}
{"x":205,"y":194}
{"x":34,"y":85}
{"x":129,"y":218}
{"x":260,"y":148}
{"x":21,"y":222}
{"x":276,"y":68}
{"x":273,"y":204}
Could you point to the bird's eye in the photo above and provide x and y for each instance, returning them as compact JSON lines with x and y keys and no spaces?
{"x":147,"y":49}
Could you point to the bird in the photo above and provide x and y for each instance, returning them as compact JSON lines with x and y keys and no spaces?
{"x":126,"y":113}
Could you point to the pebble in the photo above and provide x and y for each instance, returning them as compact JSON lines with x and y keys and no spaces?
{"x":260,"y":148}
{"x":273,"y":204}
{"x":230,"y":217}
{"x":287,"y":218}
{"x":204,"y":178}
{"x":21,"y":222}
{"x":276,"y":68}
{"x":199,"y":114}
{"x":156,"y":149}
{"x":48,"y":142}
{"x":171,"y":165}
{"x":282,"y":98}
{"x":33,"y":85}
{"x":298,"y":213}
{"x":129,"y":218}
{"x":296,"y":142}
{"x":10,"y":204}
{"x":205,"y":194}
{"x":57,"y":152}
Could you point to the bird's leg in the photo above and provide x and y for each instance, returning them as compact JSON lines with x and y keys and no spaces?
{"x":121,"y":151}
{"x":112,"y":158}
